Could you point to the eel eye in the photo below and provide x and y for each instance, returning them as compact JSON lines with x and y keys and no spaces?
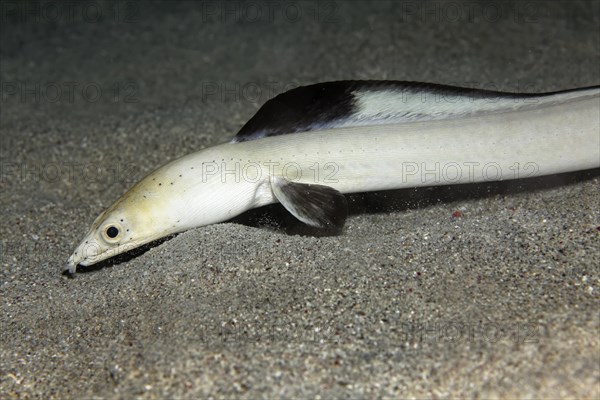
{"x":112,"y":233}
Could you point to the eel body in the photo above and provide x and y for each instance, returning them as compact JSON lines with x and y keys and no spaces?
{"x":307,"y":147}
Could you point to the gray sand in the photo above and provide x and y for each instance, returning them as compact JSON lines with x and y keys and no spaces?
{"x":408,"y":302}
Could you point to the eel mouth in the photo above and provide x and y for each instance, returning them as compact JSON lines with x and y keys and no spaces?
{"x":90,"y":252}
{"x":71,"y":265}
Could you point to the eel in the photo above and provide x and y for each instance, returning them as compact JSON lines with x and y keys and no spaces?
{"x":309,"y":146}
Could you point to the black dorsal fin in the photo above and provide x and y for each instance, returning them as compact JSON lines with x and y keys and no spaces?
{"x":300,"y":109}
{"x":349,"y":103}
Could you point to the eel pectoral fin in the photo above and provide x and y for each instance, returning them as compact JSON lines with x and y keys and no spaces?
{"x":315,"y":205}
